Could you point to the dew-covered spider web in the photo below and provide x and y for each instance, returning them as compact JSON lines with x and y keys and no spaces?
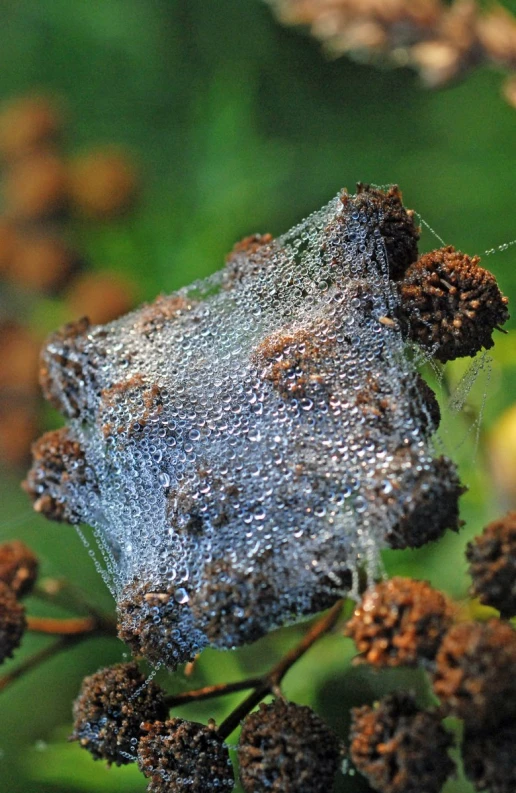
{"x":245,"y":446}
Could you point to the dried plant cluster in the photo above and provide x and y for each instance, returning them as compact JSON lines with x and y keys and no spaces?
{"x":243,"y":448}
{"x":245,"y":445}
{"x":442,"y":41}
{"x":45,"y":195}
{"x":399,"y":745}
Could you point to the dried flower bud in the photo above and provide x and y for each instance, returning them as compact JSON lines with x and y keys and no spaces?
{"x":490,"y":760}
{"x":43,"y":263}
{"x":12,"y":622}
{"x":28,"y":123}
{"x":148,"y":622}
{"x":287,"y":748}
{"x":101,"y":296}
{"x":109,"y":711}
{"x":58,"y":463}
{"x":184,"y":757}
{"x":450,"y":305}
{"x":103,"y":183}
{"x":492,"y":558}
{"x":400,"y":622}
{"x":400,"y":748}
{"x":385,"y":210}
{"x":429,"y":507}
{"x":36,"y":187}
{"x":475,"y":673}
{"x":18,"y":567}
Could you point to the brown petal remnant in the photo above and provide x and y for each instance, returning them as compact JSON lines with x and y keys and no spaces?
{"x":27,"y":124}
{"x":287,"y":748}
{"x":490,"y":759}
{"x":148,"y":620}
{"x":385,"y":210}
{"x":58,"y":465}
{"x":450,"y":305}
{"x":43,"y":263}
{"x":400,"y":748}
{"x":36,"y":187}
{"x":492,"y":559}
{"x":103,"y":297}
{"x":110,"y":709}
{"x":104,"y":183}
{"x":64,"y":368}
{"x":430,"y":507}
{"x":474,"y":677}
{"x":400,"y":622}
{"x":184,"y":757}
{"x":18,"y":567}
{"x":12,"y":622}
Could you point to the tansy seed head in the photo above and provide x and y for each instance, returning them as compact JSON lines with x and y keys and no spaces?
{"x":18,"y":567}
{"x":492,"y":559}
{"x":110,"y":708}
{"x":12,"y":622}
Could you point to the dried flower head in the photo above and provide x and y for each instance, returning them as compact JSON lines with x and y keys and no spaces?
{"x":400,"y":622}
{"x":490,"y":759}
{"x":384,"y":208}
{"x":184,"y":757}
{"x":475,"y":673}
{"x":492,"y":559}
{"x":27,"y":124}
{"x":450,"y":305}
{"x":400,"y":748}
{"x":12,"y":622}
{"x":287,"y":748}
{"x":104,"y":183}
{"x":110,"y":708}
{"x":63,"y":377}
{"x":36,"y":187}
{"x":57,"y":462}
{"x":18,"y":567}
{"x":430,"y":507}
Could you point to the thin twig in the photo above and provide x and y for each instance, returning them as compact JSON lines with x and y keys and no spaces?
{"x":208,"y":692}
{"x":271,"y":681}
{"x":62,"y":627}
{"x":35,"y":660}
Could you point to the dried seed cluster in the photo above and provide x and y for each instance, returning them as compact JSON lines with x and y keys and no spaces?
{"x":400,"y":748}
{"x":110,"y":709}
{"x":275,"y":396}
{"x":184,"y":757}
{"x":400,"y":622}
{"x":287,"y":748}
{"x":492,"y":559}
{"x":12,"y":622}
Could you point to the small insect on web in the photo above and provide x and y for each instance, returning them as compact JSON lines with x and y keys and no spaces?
{"x":244,"y":446}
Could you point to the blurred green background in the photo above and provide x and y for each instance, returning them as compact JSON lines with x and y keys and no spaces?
{"x":240,"y":125}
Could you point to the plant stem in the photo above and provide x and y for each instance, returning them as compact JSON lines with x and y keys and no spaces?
{"x":62,"y":627}
{"x":35,"y":660}
{"x":208,"y":692}
{"x":272,"y":680}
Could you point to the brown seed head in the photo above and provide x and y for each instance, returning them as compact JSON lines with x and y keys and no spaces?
{"x":43,"y":263}
{"x":430,"y":508}
{"x":57,"y":462}
{"x":110,"y":709}
{"x":104,"y":183}
{"x":400,"y":748}
{"x":103,"y":297}
{"x":62,"y":372}
{"x":492,"y":559}
{"x":27,"y":124}
{"x":287,"y":748}
{"x":490,"y":759}
{"x":475,"y":673}
{"x":12,"y":622}
{"x":18,"y":567}
{"x":384,"y":209}
{"x":450,"y":305}
{"x":184,"y":757}
{"x":36,"y":187}
{"x":400,"y":622}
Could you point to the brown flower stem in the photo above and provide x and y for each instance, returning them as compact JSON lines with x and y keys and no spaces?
{"x":62,"y":627}
{"x":38,"y":658}
{"x":208,"y":692}
{"x":272,"y":680}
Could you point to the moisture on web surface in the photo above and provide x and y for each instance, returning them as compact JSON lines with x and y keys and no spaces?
{"x":243,"y":446}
